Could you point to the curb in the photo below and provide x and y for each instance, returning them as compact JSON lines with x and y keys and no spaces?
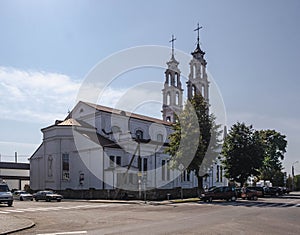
{"x":19,"y":229}
{"x":14,"y":224}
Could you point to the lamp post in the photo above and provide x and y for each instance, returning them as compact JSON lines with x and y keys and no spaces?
{"x":181,"y":167}
{"x":293,"y":175}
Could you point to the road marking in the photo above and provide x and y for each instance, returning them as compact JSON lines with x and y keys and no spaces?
{"x":4,"y":212}
{"x":18,"y":211}
{"x":54,"y":208}
{"x":63,"y":233}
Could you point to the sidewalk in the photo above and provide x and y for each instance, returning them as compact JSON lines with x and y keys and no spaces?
{"x":10,"y":224}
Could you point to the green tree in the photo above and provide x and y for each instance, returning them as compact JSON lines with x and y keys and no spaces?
{"x":243,"y":153}
{"x":194,"y":142}
{"x":275,"y":147}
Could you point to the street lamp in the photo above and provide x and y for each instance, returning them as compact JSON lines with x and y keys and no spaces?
{"x":181,"y":167}
{"x":293,"y":175}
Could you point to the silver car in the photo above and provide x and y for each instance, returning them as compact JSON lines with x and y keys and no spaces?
{"x":22,"y":195}
{"x":5,"y":195}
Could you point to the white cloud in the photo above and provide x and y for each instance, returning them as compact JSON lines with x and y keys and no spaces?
{"x":35,"y":96}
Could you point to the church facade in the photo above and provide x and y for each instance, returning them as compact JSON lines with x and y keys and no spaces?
{"x":102,"y":148}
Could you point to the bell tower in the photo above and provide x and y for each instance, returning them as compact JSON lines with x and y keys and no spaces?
{"x":172,"y":91}
{"x":198,"y":82}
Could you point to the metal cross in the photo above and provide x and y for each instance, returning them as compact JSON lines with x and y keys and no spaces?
{"x":198,"y":29}
{"x":172,"y":41}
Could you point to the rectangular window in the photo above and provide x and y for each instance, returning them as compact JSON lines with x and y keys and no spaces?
{"x":145,"y":165}
{"x":168,"y":170}
{"x":188,"y":178}
{"x":221,"y":174}
{"x":184,"y":176}
{"x":118,"y":161}
{"x":140,"y":163}
{"x":111,"y":161}
{"x":65,"y":166}
{"x":163,"y":170}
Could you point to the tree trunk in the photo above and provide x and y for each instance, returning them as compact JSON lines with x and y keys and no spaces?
{"x":200,"y":184}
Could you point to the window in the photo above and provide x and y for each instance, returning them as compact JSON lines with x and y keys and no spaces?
{"x":163,"y":170}
{"x":193,"y":90}
{"x":194,"y":71}
{"x":177,"y":79}
{"x":221,"y":174}
{"x":159,"y":138}
{"x":145,"y":165}
{"x":169,"y":79}
{"x":177,"y":98}
{"x":111,"y":161}
{"x":168,"y":170}
{"x":168,"y":119}
{"x":139,"y":134}
{"x":203,"y":91}
{"x":168,"y":98}
{"x":188,"y":174}
{"x":118,"y":161}
{"x":140,"y":163}
{"x":218,"y":173}
{"x":65,"y":166}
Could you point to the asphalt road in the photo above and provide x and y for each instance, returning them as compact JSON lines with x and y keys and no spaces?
{"x":265,"y":216}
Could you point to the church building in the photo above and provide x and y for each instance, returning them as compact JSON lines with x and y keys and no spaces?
{"x":98,"y":148}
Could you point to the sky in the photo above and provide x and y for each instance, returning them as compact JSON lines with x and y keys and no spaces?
{"x":47,"y":48}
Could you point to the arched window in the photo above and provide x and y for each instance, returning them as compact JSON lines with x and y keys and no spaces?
{"x":203,"y":91}
{"x":193,"y":90}
{"x":168,"y":98}
{"x":169,"y":79}
{"x":139,"y":134}
{"x":177,"y":98}
{"x":194,"y":71}
{"x":159,"y":137}
{"x":168,"y":119}
{"x":176,"y":80}
{"x":201,"y":71}
{"x":115,"y":129}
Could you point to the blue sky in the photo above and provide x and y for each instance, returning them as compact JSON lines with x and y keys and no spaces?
{"x":48,"y":47}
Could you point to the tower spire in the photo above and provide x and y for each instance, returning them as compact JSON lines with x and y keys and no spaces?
{"x":172,"y":43}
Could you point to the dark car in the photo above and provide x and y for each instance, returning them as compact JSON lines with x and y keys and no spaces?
{"x":249,"y":194}
{"x":47,"y":196}
{"x":273,"y":191}
{"x":259,"y":190}
{"x":224,"y":192}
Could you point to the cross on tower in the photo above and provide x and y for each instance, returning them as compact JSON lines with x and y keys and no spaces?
{"x":198,"y":29}
{"x":172,"y":41}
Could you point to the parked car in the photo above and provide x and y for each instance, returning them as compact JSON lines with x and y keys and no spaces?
{"x":249,"y":194}
{"x":47,"y":196}
{"x":259,"y":190}
{"x":5,"y":195}
{"x":273,"y":191}
{"x":223,"y":192}
{"x":22,"y":195}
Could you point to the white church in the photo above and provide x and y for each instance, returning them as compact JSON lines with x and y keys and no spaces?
{"x":102,"y":150}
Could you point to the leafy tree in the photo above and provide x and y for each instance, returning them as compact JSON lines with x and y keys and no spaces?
{"x":278,"y":179}
{"x":194,"y":142}
{"x":243,"y":153}
{"x":275,"y":147}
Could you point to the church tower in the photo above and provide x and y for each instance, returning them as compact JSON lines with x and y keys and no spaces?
{"x":198,"y":82}
{"x":172,"y":92}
